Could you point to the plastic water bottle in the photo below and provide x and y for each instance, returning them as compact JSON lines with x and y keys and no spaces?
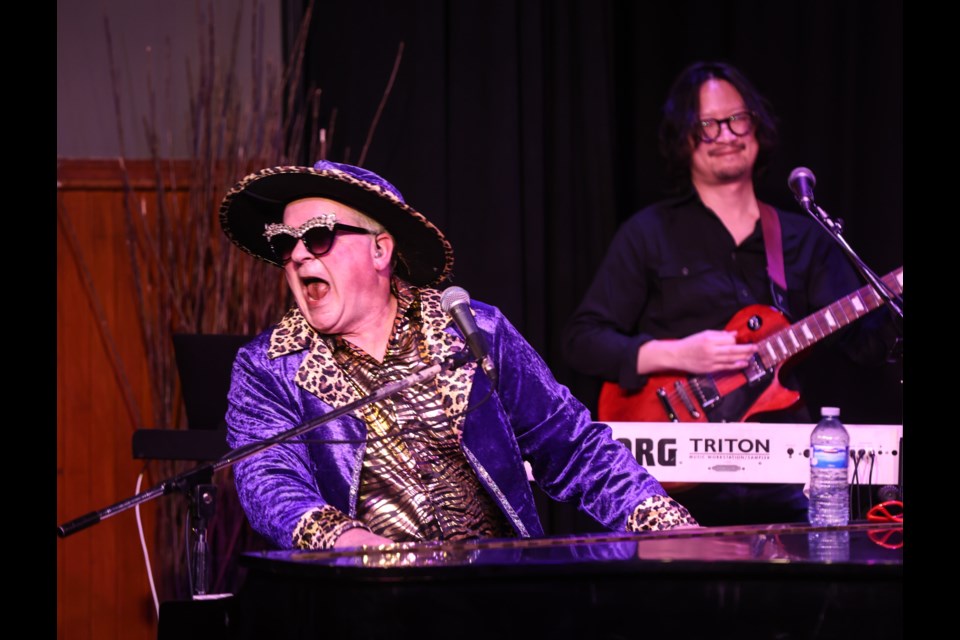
{"x":829,"y":487}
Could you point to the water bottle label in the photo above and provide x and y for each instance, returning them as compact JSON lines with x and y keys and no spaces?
{"x":829,"y":457}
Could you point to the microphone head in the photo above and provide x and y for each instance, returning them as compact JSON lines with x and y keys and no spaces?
{"x":452,"y":296}
{"x":798,"y":174}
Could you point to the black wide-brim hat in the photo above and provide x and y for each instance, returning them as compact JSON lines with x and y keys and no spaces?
{"x":424,"y":256}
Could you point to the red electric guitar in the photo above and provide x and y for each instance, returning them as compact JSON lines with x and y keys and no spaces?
{"x":737,"y":395}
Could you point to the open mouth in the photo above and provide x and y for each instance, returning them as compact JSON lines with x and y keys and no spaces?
{"x":315,"y":288}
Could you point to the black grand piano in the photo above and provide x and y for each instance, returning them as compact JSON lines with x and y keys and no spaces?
{"x":777,"y":581}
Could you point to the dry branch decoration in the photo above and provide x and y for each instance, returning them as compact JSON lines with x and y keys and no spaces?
{"x":188,"y":277}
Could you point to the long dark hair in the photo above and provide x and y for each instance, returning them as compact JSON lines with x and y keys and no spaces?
{"x":682,"y":110}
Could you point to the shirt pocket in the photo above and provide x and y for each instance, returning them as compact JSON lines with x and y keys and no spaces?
{"x":695,"y":294}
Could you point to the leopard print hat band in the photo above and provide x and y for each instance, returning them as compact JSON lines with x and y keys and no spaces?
{"x":424,"y":256}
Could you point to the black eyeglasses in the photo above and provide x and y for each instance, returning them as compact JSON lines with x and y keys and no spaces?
{"x":740,"y":124}
{"x":317,"y":235}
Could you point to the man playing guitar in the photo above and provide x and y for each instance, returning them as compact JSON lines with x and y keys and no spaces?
{"x":685,"y":318}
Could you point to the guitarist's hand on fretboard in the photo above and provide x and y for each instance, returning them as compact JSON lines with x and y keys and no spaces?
{"x":705,"y":352}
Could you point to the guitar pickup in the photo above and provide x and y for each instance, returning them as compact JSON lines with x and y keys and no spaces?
{"x":705,"y":391}
{"x":755,"y":371}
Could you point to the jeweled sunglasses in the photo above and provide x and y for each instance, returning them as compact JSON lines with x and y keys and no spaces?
{"x":317,"y":234}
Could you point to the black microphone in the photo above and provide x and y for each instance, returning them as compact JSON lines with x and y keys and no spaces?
{"x":801,"y":183}
{"x":456,"y":302}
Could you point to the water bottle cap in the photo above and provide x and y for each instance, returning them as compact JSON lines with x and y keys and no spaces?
{"x":830,"y":411}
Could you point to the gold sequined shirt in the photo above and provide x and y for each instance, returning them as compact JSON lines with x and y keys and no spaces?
{"x":416,"y":483}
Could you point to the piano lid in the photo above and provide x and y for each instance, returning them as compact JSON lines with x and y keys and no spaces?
{"x":858,"y":544}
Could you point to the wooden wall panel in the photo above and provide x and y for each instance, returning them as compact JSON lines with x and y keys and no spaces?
{"x":102,"y":586}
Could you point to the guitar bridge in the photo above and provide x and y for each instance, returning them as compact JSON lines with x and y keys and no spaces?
{"x":665,"y":401}
{"x":685,"y":399}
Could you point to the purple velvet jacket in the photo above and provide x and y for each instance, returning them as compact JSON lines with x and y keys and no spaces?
{"x":529,"y":417}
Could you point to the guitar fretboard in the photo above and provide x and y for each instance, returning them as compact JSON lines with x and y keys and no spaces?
{"x":788,"y":342}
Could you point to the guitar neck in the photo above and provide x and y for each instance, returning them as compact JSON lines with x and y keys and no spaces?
{"x":786,"y":343}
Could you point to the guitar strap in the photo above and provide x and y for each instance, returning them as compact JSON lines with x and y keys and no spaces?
{"x":773,"y":241}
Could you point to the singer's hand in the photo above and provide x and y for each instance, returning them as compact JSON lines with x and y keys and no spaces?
{"x":705,"y":352}
{"x":360,"y":538}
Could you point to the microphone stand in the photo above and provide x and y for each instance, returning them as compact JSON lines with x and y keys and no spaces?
{"x":195,"y":483}
{"x":894,"y":302}
{"x":835,"y":229}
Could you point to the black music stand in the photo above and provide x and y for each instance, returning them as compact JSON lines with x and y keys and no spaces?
{"x":204,"y":363}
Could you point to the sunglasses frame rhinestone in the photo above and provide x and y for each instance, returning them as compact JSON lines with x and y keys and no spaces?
{"x":327,"y":222}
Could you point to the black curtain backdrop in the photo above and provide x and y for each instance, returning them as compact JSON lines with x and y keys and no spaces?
{"x":526,"y":130}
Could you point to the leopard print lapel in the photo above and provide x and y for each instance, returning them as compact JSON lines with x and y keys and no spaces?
{"x":318,"y":373}
{"x":454,"y":385}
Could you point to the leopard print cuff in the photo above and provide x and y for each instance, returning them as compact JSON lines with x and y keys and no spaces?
{"x":320,"y":528}
{"x":657,"y":513}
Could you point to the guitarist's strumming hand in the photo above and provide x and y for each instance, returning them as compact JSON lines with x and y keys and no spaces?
{"x":705,"y":352}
